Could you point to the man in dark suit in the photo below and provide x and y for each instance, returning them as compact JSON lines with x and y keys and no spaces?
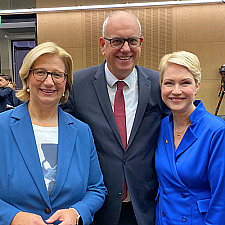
{"x":127,"y":166}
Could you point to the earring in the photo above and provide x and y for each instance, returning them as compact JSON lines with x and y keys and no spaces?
{"x":28,"y":90}
{"x":63,"y":94}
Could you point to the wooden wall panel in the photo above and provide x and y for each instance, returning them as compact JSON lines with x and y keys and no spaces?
{"x":200,"y":23}
{"x":195,"y":28}
{"x":157,"y":35}
{"x":93,"y":30}
{"x":208,"y":93}
{"x":65,"y":28}
{"x":60,"y":3}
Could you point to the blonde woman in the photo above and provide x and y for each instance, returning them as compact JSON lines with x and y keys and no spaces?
{"x":190,"y":155}
{"x":49,"y":166}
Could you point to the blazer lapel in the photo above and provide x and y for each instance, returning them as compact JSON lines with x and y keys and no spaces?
{"x":170,"y":150}
{"x":66,"y":146}
{"x":186,"y":142}
{"x":188,"y":139}
{"x":144,"y":89}
{"x":24,"y":137}
{"x":103,"y":97}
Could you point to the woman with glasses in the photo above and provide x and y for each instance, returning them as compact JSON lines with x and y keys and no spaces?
{"x":49,"y":166}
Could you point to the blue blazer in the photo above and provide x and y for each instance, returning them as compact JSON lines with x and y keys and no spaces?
{"x":89,"y":101}
{"x":192,"y":179}
{"x":79,"y":181}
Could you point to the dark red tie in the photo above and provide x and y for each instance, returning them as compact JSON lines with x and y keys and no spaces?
{"x":120,"y":116}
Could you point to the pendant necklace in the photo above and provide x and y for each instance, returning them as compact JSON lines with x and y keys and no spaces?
{"x":179,"y":133}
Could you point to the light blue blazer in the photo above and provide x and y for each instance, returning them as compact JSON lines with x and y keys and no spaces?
{"x":192,"y":179}
{"x":79,"y":181}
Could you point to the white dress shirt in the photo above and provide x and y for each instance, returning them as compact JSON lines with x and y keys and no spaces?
{"x":130,"y":92}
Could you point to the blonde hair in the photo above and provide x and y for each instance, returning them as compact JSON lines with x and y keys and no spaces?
{"x":182,"y":58}
{"x":34,"y":54}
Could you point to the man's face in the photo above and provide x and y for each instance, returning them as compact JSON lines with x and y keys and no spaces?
{"x":121,"y":61}
{"x":3,"y":82}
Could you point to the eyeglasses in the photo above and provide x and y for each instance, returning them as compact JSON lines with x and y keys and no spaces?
{"x":41,"y":75}
{"x":119,"y":42}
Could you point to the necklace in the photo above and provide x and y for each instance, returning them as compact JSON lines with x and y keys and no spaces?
{"x":178,"y":133}
{"x":185,"y":127}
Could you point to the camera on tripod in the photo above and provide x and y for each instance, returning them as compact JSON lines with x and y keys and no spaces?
{"x":221,"y":87}
{"x":222,"y":72}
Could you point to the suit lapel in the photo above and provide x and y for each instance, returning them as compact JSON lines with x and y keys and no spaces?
{"x":144,"y":89}
{"x":66,"y":146}
{"x":104,"y":101}
{"x":172,"y":156}
{"x":24,"y":137}
{"x":188,"y":139}
{"x":170,"y":150}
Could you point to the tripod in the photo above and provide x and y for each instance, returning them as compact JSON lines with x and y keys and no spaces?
{"x":221,"y":92}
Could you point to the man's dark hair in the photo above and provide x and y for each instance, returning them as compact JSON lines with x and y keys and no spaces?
{"x":6,"y":77}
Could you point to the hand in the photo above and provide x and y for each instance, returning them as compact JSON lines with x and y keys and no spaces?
{"x":22,"y":218}
{"x":66,"y":216}
{"x":10,"y":85}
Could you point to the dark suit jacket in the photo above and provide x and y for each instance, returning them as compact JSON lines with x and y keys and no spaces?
{"x":8,"y":97}
{"x":89,"y":102}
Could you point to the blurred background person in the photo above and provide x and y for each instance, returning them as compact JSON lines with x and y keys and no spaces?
{"x":190,"y":156}
{"x":50,"y":169}
{"x":8,"y":100}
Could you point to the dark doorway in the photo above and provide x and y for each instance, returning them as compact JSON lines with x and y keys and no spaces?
{"x":20,"y":50}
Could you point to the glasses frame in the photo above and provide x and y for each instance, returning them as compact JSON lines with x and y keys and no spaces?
{"x":51,"y":73}
{"x":124,"y":40}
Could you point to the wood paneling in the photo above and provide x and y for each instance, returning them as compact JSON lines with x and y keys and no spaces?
{"x":195,"y":28}
{"x":61,"y":3}
{"x":65,"y":28}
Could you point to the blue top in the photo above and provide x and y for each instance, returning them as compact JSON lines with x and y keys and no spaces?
{"x":79,"y":181}
{"x":192,"y":178}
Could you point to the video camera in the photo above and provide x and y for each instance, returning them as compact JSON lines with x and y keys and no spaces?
{"x":222,"y":73}
{"x":221,"y":87}
{"x":222,"y":70}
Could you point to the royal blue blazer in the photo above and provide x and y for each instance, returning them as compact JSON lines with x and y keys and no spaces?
{"x":192,"y":179}
{"x":79,"y":181}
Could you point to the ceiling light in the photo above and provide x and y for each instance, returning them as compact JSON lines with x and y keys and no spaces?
{"x":38,"y":10}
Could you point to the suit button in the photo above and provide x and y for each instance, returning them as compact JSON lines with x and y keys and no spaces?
{"x":184,"y":219}
{"x":47,"y":210}
{"x":120,"y":192}
{"x":184,"y":195}
{"x":163,"y":214}
{"x":125,"y":162}
{"x":164,"y":192}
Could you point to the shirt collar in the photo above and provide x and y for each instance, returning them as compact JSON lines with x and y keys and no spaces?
{"x":111,"y":79}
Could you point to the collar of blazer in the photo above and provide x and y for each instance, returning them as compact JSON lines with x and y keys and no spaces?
{"x":23,"y":133}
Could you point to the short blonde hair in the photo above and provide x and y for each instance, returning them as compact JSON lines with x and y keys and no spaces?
{"x":34,"y":54}
{"x":182,"y":58}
